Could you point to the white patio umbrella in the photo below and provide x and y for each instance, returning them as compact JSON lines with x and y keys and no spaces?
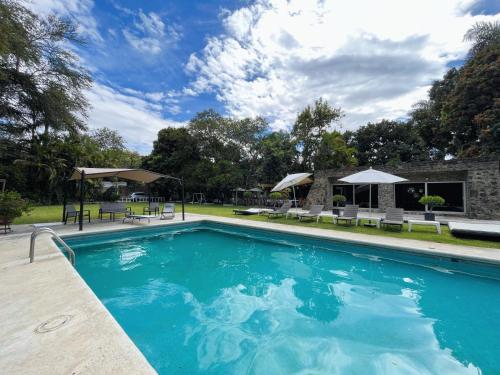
{"x":369,"y":177}
{"x":293,"y":180}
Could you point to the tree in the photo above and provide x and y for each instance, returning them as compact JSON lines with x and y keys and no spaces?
{"x":41,"y":82}
{"x":41,"y":99}
{"x":426,"y":116}
{"x":277,"y":157}
{"x":211,"y":132}
{"x":482,"y":35}
{"x":462,"y":116}
{"x":387,"y":142}
{"x":333,"y":152}
{"x":309,"y":128}
{"x":471,"y":110}
{"x":176,"y":153}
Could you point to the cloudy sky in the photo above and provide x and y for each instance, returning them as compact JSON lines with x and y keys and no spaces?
{"x":156,"y":63}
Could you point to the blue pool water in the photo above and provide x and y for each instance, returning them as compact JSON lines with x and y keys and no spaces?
{"x":216,"y":299}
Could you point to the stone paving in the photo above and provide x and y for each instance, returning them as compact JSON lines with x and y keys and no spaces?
{"x":52,"y":323}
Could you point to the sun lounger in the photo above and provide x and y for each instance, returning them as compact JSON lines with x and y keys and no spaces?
{"x":349,"y":215}
{"x":132,"y":217}
{"x":393,"y":216}
{"x":282,"y":211}
{"x":481,"y":230}
{"x":168,"y":211}
{"x":252,"y":211}
{"x":314,"y":213}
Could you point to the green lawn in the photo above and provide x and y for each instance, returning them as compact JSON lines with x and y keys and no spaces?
{"x":45,"y":214}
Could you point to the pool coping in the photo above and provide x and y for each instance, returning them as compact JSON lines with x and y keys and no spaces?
{"x":30,"y":291}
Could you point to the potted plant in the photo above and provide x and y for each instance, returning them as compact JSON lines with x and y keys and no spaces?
{"x":11,"y":206}
{"x":431,"y":201}
{"x":337,"y":199}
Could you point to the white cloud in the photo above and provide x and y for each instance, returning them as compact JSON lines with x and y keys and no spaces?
{"x":80,"y":11}
{"x":150,"y":34}
{"x":137,"y":119}
{"x":373,"y":58}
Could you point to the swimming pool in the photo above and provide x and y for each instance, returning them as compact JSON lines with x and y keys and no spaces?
{"x":219,"y":299}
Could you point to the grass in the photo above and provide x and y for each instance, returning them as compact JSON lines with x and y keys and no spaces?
{"x":46,"y":214}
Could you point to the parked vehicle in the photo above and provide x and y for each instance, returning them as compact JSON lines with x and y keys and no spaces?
{"x":138,"y":196}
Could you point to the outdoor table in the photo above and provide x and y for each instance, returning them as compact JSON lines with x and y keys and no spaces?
{"x":138,"y":217}
{"x":424,"y":222}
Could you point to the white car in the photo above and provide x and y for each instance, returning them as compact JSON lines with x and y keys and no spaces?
{"x":138,"y":196}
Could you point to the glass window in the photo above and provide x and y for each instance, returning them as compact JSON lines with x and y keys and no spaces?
{"x":363,"y":195}
{"x":452,"y":192}
{"x":345,"y":190}
{"x":407,"y":196}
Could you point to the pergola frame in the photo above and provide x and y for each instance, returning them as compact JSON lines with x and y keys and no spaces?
{"x":139,"y":175}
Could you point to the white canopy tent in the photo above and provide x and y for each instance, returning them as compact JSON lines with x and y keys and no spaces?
{"x":293,"y":180}
{"x":140,"y":175}
{"x":371,"y":177}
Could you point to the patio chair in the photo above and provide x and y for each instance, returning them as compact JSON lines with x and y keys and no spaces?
{"x":168,"y":211}
{"x":152,"y":207}
{"x":282,"y":211}
{"x":71,"y":212}
{"x":314,"y":212}
{"x":393,"y":216}
{"x":350,"y":213}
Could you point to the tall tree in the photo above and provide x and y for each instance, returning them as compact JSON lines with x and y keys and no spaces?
{"x":176,"y":153}
{"x":483,"y":35}
{"x":333,"y":152}
{"x":462,"y":116}
{"x":471,"y":111}
{"x":311,"y":124}
{"x":41,"y":95}
{"x":277,"y":156}
{"x":387,"y":142}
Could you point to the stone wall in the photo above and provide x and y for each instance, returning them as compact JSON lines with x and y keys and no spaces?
{"x":481,"y":177}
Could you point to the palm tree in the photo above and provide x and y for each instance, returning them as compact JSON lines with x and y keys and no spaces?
{"x":482,"y":34}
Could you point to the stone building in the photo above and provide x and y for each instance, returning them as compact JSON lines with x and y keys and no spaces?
{"x":471,"y":187}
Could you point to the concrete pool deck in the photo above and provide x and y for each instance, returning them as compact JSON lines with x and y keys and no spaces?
{"x":81,"y":335}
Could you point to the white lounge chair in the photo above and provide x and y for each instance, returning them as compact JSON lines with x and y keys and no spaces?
{"x":314,"y":212}
{"x":393,"y":216}
{"x":252,"y":211}
{"x":168,"y":211}
{"x":349,"y":215}
{"x":282,"y":211}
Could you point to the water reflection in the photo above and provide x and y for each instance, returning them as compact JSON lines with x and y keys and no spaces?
{"x":208,"y":303}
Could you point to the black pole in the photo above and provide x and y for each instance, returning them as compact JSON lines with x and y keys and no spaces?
{"x":149,"y":198}
{"x":80,"y":220}
{"x":182,"y":185}
{"x":65,"y":200}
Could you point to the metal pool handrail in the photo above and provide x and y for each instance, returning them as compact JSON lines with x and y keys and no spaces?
{"x":39,"y":231}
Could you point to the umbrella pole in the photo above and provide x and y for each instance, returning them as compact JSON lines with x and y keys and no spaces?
{"x":370,"y":203}
{"x":80,"y":219}
{"x":294,"y":198}
{"x":182,"y":197}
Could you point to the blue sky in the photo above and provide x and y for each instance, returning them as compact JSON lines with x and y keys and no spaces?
{"x":156,"y":63}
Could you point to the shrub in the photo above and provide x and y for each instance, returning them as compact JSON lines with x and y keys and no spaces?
{"x":247,"y":194}
{"x":110,"y":195}
{"x":431,"y":201}
{"x":275,"y":195}
{"x":12,"y":205}
{"x":338,"y":198}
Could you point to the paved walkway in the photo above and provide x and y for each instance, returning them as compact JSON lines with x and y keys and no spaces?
{"x":52,"y":323}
